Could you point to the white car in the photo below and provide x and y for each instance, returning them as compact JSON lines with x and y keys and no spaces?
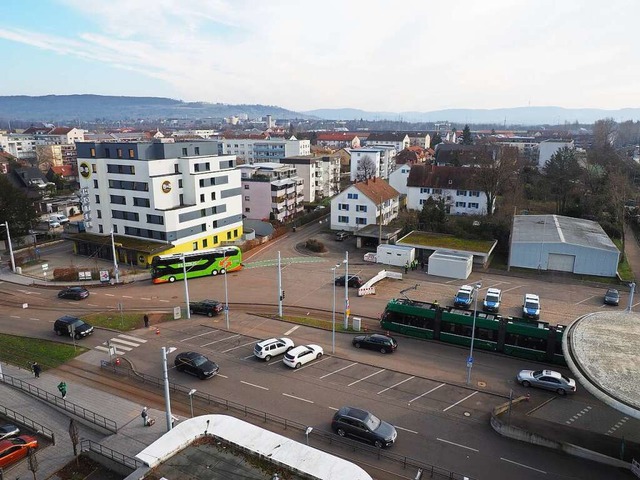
{"x":266,"y":349}
{"x":298,"y":356}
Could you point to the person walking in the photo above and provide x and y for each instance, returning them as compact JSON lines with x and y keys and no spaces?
{"x":36,"y":369}
{"x":422,"y":265}
{"x":406,"y":268}
{"x":62,"y":388}
{"x":146,"y":320}
{"x":145,"y":417}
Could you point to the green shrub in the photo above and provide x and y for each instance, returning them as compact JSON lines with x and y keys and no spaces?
{"x":315,"y":246}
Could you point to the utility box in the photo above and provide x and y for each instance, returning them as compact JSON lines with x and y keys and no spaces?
{"x":397,"y":255}
{"x":450,"y":264}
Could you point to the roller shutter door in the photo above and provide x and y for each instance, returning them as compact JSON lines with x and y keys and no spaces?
{"x":562,"y":263}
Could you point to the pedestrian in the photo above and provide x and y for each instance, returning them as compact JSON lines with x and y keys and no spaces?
{"x":36,"y":369}
{"x":145,"y":417}
{"x":406,"y":267}
{"x":62,"y":387}
{"x":146,"y":321}
{"x":422,"y":265}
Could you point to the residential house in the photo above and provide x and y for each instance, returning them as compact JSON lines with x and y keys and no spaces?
{"x":454,"y":155}
{"x":32,"y":182}
{"x":365,"y":162}
{"x":419,"y":139}
{"x":548,"y":149}
{"x":399,"y":140}
{"x":321,"y":174}
{"x":67,"y":173}
{"x":338,"y":139}
{"x":252,"y":150}
{"x":398,"y":178}
{"x":371,"y":202}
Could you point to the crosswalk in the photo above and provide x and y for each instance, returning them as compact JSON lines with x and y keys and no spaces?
{"x":122,"y":344}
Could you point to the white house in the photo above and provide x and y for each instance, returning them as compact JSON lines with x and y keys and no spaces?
{"x":399,"y":140}
{"x":548,"y":148}
{"x":398,"y":178}
{"x":371,"y":202}
{"x":321,"y":175}
{"x":369,"y":158}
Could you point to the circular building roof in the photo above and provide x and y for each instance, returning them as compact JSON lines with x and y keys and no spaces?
{"x":602,"y":350}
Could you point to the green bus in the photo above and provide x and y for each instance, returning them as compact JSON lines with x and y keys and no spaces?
{"x":201,"y":263}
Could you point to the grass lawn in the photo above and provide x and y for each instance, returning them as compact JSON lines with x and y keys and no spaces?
{"x":624,"y":269}
{"x":125,"y":321}
{"x":438,"y":240}
{"x":20,"y":351}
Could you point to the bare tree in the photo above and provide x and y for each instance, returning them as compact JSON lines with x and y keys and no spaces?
{"x":604,"y":133}
{"x":495,"y":169}
{"x":365,"y":169}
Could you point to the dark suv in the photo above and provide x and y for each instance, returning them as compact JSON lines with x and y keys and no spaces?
{"x":206,"y":307}
{"x":72,"y":326}
{"x":354,"y":281}
{"x":381,"y":343}
{"x":364,"y":426}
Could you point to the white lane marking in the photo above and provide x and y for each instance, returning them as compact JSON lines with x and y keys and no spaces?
{"x":144,"y":298}
{"x":248,"y":357}
{"x":512,"y":288}
{"x":394,"y":386}
{"x":105,"y":349}
{"x":275,"y":361}
{"x":291,"y":330}
{"x":220,"y":375}
{"x":310,"y":364}
{"x":135,"y":339}
{"x":427,"y":393}
{"x":368,"y":376}
{"x":199,"y":335}
{"x":405,"y":429}
{"x":109,"y":294}
{"x":297,"y":398}
{"x":588,"y":298}
{"x":457,"y":444}
{"x":253,"y":385}
{"x":522,"y":465}
{"x":163,"y":300}
{"x":92,"y":304}
{"x":221,"y":340}
{"x":126,"y":296}
{"x":123,"y":342}
{"x":14,"y":316}
{"x":33,"y":318}
{"x":121,"y":347}
{"x":334,"y":408}
{"x":239,"y":346}
{"x":339,"y":370}
{"x":460,"y":401}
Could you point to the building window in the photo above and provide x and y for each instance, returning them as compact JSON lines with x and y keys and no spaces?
{"x":202,"y":198}
{"x":119,"y":152}
{"x":235,"y":233}
{"x":195,"y":246}
{"x":115,"y":229}
{"x":474,"y":194}
{"x":343,"y":206}
{"x":422,"y":201}
{"x":118,"y":199}
{"x":155,"y":219}
{"x":131,"y":153}
{"x":437,"y":191}
{"x":215,"y":239}
{"x":361,"y":208}
{"x":94,"y":169}
{"x":247,"y":210}
{"x":205,"y":243}
{"x":361,"y":221}
{"x":176,"y":168}
{"x":343,"y":219}
{"x":181,"y":199}
{"x":196,"y":167}
{"x":141,"y":202}
{"x":213,"y":195}
{"x":353,"y":196}
{"x":246,"y":186}
{"x":425,"y":190}
{"x":197,"y":152}
{"x":247,"y":198}
{"x":97,"y":198}
{"x":474,"y":205}
{"x":184,"y":152}
{"x":95,"y":183}
{"x":228,"y":235}
{"x":461,"y":193}
{"x":92,"y":152}
{"x":100,"y":229}
{"x":99,"y":213}
{"x":179,"y":183}
{"x":107,"y":153}
{"x":461,"y":204}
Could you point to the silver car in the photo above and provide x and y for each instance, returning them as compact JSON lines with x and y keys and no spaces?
{"x":547,"y":379}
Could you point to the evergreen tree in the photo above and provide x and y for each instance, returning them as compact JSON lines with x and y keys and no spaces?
{"x":466,"y":136}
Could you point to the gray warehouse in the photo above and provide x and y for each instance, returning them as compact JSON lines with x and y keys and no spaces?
{"x":554,"y":242}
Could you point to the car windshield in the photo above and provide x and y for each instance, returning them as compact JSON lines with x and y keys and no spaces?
{"x":531,"y":305}
{"x":612,"y":293}
{"x":492,"y":297}
{"x":200,"y":360}
{"x":537,"y":373}
{"x":77,"y":323}
{"x":372,"y":421}
{"x":463,"y":295}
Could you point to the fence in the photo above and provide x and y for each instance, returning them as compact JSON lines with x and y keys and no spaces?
{"x":27,"y":422}
{"x":327,"y":437}
{"x":106,"y":452}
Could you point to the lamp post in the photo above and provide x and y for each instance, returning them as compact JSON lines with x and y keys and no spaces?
{"x":226,"y":299}
{"x":280,"y":298}
{"x":186,"y":286}
{"x":191,"y":392}
{"x":13,"y":261}
{"x":346,"y":290}
{"x":115,"y":258}
{"x":333,"y":324}
{"x":473,"y":332}
{"x":165,"y":376}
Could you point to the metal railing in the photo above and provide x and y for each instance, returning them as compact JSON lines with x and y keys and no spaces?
{"x":27,"y":422}
{"x":121,"y":458}
{"x":65,"y":405}
{"x":246,"y":411}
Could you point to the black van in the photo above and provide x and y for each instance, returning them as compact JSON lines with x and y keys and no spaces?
{"x":72,"y":326}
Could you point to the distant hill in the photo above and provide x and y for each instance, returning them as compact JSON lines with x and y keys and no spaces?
{"x":499,"y":116}
{"x":88,"y":108}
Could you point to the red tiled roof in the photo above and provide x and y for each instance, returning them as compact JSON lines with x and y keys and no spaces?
{"x":64,"y":170}
{"x":377,"y":189}
{"x":442,"y":177}
{"x":59,"y":131}
{"x":336,"y":136}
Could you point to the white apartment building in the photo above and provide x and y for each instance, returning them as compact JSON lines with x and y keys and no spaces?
{"x":387,"y":159}
{"x":398,"y":178}
{"x":157,"y":197}
{"x":20,"y":145}
{"x":253,"y":150}
{"x":271,"y":191}
{"x":363,"y":157}
{"x":548,"y":148}
{"x":321,"y":175}
{"x":399,"y":140}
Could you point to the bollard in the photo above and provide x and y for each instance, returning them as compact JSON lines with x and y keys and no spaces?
{"x":157,"y":331}
{"x":117,"y":361}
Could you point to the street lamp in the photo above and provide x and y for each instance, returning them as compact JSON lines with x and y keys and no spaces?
{"x":280,"y":296}
{"x":226,"y":299}
{"x":346,"y":290}
{"x":165,"y":376}
{"x":473,"y":332}
{"x":115,"y":259}
{"x":191,"y":392}
{"x":13,"y":261}
{"x":186,"y":286}
{"x":333,"y":325}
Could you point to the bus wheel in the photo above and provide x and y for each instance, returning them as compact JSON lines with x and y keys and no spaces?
{"x":214,"y":272}
{"x":223,"y":271}
{"x":172,"y":279}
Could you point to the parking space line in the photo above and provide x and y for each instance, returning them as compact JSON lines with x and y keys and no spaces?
{"x":460,"y":401}
{"x":457,"y":444}
{"x":163,"y":300}
{"x":247,"y":357}
{"x":393,"y":386}
{"x":144,"y":298}
{"x":427,"y":393}
{"x":339,"y":370}
{"x":14,"y":316}
{"x":109,"y":295}
{"x":311,"y":364}
{"x":33,"y":318}
{"x":199,"y":335}
{"x":220,"y":340}
{"x":275,"y":361}
{"x":126,"y":296}
{"x":220,"y":375}
{"x":368,"y":376}
{"x":334,"y":408}
{"x":291,"y":330}
{"x":297,"y":398}
{"x":239,"y":346}
{"x":253,"y":385}
{"x":522,"y":465}
{"x":586,"y":299}
{"x":618,"y":424}
{"x":512,"y":288}
{"x":406,"y":429}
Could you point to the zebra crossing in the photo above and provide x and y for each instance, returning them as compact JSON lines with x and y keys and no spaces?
{"x":122,"y":344}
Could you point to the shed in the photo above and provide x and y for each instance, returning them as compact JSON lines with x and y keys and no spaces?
{"x":450,"y":264}
{"x":565,"y":244}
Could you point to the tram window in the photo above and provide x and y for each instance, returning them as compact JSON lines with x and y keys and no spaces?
{"x":526,"y":341}
{"x":456,"y":329}
{"x":486,"y":334}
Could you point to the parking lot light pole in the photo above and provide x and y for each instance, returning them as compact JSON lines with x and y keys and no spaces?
{"x":191,"y":392}
{"x":226,"y":300}
{"x":279,"y":287}
{"x":473,"y":332}
{"x":165,"y":376}
{"x":115,"y":258}
{"x":13,"y":261}
{"x":346,"y":290}
{"x":333,"y":324}
{"x":186,"y":286}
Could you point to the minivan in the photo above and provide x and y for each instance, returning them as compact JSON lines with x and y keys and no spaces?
{"x":59,"y":217}
{"x":72,"y":326}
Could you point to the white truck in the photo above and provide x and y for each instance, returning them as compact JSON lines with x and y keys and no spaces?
{"x":397,"y":255}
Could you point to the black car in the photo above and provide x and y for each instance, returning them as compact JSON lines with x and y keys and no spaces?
{"x":7,"y":431}
{"x":340,"y":236}
{"x":354,"y":281}
{"x":363,"y":425}
{"x":196,"y":364}
{"x":381,"y":343}
{"x":612,"y":297}
{"x":72,"y":326}
{"x":206,"y":307}
{"x":74,"y":293}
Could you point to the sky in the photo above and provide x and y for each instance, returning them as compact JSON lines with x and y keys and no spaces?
{"x":374,"y":55}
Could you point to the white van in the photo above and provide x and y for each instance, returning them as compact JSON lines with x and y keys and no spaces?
{"x":531,"y":306}
{"x":58,"y":217}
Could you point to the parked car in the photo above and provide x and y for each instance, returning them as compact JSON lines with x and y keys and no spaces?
{"x":492,"y":300}
{"x":381,"y":343}
{"x":354,"y":281}
{"x":54,"y":224}
{"x":206,"y":307}
{"x":340,"y":236}
{"x":72,"y":326}
{"x":298,"y":356}
{"x":267,"y":349}
{"x":8,"y":430}
{"x":363,"y":425}
{"x":73,"y":293}
{"x":547,"y":379}
{"x":612,"y":297}
{"x":464,"y":297}
{"x":196,"y":364}
{"x":59,"y":217}
{"x":14,"y":449}
{"x":531,"y":306}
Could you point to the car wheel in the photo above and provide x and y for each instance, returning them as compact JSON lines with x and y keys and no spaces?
{"x":267,"y":358}
{"x":378,"y":444}
{"x":214,"y":273}
{"x":77,"y":336}
{"x":357,"y":345}
{"x":561,"y":391}
{"x":341,"y":432}
{"x":318,"y":356}
{"x":298,"y":365}
{"x":526,"y":384}
{"x":172,"y":279}
{"x":209,"y":314}
{"x":383,"y":350}
{"x":59,"y":333}
{"x":201,"y":376}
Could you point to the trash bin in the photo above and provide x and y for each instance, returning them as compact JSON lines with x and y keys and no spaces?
{"x":356,"y":322}
{"x":19,"y":270}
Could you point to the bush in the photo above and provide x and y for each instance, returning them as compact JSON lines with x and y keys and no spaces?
{"x":315,"y":246}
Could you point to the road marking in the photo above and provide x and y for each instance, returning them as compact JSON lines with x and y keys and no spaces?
{"x":368,"y":376}
{"x":163,"y":300}
{"x":92,"y":305}
{"x":460,"y":401}
{"x":221,"y":340}
{"x":239,"y":346}
{"x":291,"y":330}
{"x":248,"y":357}
{"x":334,"y":408}
{"x":144,"y":298}
{"x":253,"y":385}
{"x":297,"y":398}
{"x":339,"y":370}
{"x":457,"y":444}
{"x":588,"y":298}
{"x":123,"y":342}
{"x":275,"y":361}
{"x":126,"y":296}
{"x":33,"y":318}
{"x":522,"y":465}
{"x":406,"y":429}
{"x":310,"y":364}
{"x":105,"y":349}
{"x":135,"y":339}
{"x":619,"y":424}
{"x":427,"y":393}
{"x":109,"y":294}
{"x":393,"y":386}
{"x":14,"y":316}
{"x":223,"y":376}
{"x":451,"y":281}
{"x":199,"y":335}
{"x":121,"y":347}
{"x":512,"y":288}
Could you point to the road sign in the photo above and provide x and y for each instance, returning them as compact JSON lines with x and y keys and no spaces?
{"x":45,"y":266}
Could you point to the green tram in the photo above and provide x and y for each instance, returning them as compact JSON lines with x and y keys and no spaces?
{"x":517,"y":337}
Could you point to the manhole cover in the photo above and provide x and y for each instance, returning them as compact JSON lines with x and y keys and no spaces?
{"x":467,"y":414}
{"x":482,"y":384}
